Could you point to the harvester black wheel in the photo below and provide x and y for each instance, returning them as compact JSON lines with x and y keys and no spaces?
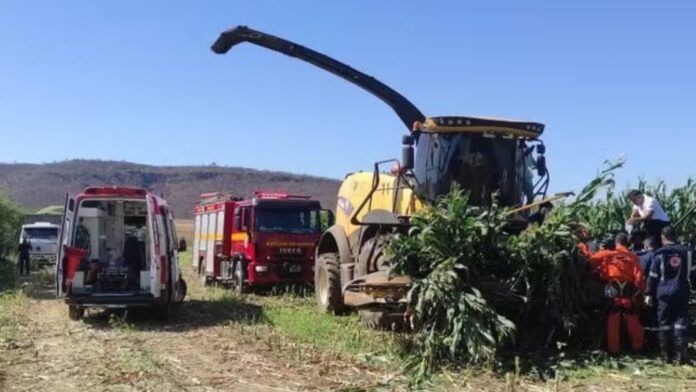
{"x":383,"y":319}
{"x":371,"y":257}
{"x":327,"y":284}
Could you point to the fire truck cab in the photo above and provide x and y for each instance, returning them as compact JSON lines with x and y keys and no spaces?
{"x":260,"y":242}
{"x":118,"y":249}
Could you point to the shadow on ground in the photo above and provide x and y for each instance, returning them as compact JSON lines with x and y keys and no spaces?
{"x":190,"y":315}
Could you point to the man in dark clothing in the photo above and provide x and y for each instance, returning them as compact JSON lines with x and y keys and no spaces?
{"x":668,"y":283}
{"x":648,"y":313}
{"x":645,"y":255}
{"x":23,"y":250}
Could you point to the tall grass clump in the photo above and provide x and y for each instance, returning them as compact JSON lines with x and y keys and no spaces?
{"x":10,"y":224}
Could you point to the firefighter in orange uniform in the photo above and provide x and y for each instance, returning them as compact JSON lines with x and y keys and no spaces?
{"x":620,"y":269}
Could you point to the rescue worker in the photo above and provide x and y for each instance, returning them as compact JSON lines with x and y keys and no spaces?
{"x":647,"y":210}
{"x":23,"y":262}
{"x":648,"y":313}
{"x":668,"y":284}
{"x":620,"y":269}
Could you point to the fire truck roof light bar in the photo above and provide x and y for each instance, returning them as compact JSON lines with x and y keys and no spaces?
{"x":279,"y":195}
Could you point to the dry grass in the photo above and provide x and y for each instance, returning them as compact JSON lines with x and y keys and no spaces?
{"x":184,"y":228}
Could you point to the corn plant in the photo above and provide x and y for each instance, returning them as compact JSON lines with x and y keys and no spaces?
{"x":10,"y":223}
{"x":476,"y":286}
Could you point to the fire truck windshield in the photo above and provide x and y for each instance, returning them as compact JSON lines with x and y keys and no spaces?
{"x":284,"y":220}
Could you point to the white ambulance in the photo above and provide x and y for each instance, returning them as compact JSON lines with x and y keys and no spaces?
{"x":118,"y":250}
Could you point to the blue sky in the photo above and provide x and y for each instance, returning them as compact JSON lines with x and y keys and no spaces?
{"x":136,"y":81}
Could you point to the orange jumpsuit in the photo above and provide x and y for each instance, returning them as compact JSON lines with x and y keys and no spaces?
{"x":621,"y":270}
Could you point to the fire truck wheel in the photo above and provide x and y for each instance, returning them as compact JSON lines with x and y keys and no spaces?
{"x":327,"y":284}
{"x":75,"y":313}
{"x":239,"y":282}
{"x":205,"y":279}
{"x":382,"y":319}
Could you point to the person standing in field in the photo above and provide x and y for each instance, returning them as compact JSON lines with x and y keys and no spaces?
{"x":648,"y":313}
{"x":23,"y":262}
{"x":668,"y":284}
{"x":620,"y":270}
{"x":647,"y":210}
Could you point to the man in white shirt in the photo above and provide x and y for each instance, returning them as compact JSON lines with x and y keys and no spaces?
{"x":647,"y":210}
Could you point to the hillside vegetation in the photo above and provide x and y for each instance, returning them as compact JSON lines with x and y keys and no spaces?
{"x":38,"y":185}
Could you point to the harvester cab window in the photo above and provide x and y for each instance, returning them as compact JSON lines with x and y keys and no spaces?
{"x":480,"y":165}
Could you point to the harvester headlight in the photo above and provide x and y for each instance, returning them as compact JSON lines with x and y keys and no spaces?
{"x":261,"y":268}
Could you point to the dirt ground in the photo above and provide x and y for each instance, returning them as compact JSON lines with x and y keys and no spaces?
{"x":206,"y":346}
{"x":215,"y":343}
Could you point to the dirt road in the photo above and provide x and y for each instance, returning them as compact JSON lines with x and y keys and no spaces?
{"x":206,"y":346}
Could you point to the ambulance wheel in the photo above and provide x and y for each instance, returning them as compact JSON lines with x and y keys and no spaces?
{"x":239,"y":282}
{"x":75,"y":313}
{"x":181,"y":291}
{"x":327,"y":284}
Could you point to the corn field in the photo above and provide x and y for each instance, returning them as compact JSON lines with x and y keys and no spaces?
{"x":480,"y":290}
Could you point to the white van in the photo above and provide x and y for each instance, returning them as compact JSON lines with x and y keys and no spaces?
{"x":43,"y":237}
{"x":119,"y":250}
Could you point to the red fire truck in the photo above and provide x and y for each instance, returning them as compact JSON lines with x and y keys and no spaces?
{"x":260,"y":242}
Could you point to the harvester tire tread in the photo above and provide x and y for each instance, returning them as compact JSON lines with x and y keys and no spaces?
{"x":382,"y":319}
{"x":328,"y":288}
{"x":371,"y":257}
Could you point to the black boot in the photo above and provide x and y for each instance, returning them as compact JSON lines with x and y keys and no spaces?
{"x":680,"y":344}
{"x":664,"y":338}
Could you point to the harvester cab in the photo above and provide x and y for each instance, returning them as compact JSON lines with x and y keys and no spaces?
{"x":486,"y":157}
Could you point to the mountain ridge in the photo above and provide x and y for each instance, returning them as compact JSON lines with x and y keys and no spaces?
{"x":37,"y":185}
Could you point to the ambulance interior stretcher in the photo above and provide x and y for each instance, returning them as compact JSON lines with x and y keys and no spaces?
{"x":114,"y":234}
